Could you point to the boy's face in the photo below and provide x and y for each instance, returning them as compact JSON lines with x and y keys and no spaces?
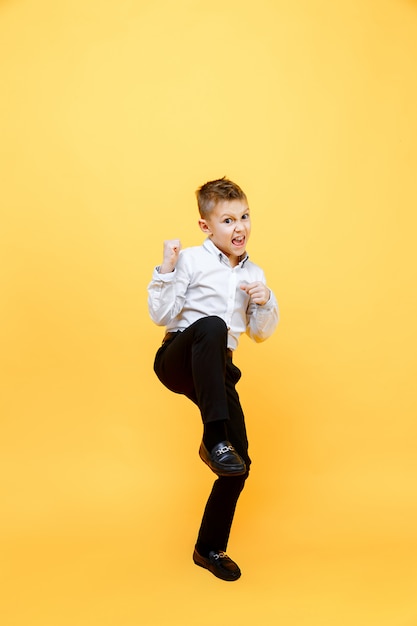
{"x":228,"y":226}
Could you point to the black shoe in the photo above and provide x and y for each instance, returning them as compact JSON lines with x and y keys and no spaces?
{"x":219,"y":564}
{"x":223,"y":459}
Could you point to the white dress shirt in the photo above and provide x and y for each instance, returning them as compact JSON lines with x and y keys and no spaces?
{"x":204,"y":283}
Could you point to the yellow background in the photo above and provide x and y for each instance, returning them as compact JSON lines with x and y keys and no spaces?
{"x":111,"y":114}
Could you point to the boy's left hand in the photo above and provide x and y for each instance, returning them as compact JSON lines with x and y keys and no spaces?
{"x":258,"y":292}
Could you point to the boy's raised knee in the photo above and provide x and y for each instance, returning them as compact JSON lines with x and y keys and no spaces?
{"x":216,"y":323}
{"x":212,"y":324}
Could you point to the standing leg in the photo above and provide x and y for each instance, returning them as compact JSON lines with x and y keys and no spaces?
{"x":220,"y":508}
{"x":218,"y":514}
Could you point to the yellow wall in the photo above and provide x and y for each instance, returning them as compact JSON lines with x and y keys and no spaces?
{"x":112,"y":113}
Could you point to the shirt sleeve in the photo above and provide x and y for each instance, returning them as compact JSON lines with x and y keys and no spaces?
{"x":262,"y":319}
{"x":166,"y":294}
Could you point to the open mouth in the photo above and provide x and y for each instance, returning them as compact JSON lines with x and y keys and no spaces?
{"x":238,"y":241}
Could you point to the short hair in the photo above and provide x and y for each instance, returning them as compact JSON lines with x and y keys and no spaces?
{"x":209,"y":194}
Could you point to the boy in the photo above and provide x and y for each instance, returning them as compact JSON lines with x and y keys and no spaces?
{"x":206,"y":296}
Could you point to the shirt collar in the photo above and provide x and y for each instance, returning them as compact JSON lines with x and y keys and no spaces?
{"x":209,"y":245}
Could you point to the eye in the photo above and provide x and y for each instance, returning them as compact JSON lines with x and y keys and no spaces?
{"x":245,"y":216}
{"x":228,"y":220}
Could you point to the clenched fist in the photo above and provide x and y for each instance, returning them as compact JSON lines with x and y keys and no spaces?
{"x":258,"y":292}
{"x":172,"y":249}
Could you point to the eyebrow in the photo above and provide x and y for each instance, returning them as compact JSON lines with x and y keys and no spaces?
{"x":230,"y":215}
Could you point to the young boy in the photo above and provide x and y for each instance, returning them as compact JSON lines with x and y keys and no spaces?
{"x":206,"y":296}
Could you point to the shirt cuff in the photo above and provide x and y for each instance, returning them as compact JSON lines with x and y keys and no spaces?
{"x":271,"y":303}
{"x":165,"y":278}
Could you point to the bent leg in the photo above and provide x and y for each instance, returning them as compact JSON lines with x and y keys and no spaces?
{"x":194,"y":364}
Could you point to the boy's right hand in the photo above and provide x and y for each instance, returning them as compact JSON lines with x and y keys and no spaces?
{"x":172,"y":249}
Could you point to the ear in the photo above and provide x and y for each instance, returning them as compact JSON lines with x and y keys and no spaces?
{"x":204,"y":226}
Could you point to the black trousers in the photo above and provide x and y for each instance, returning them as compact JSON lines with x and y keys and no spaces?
{"x":196,"y":363}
